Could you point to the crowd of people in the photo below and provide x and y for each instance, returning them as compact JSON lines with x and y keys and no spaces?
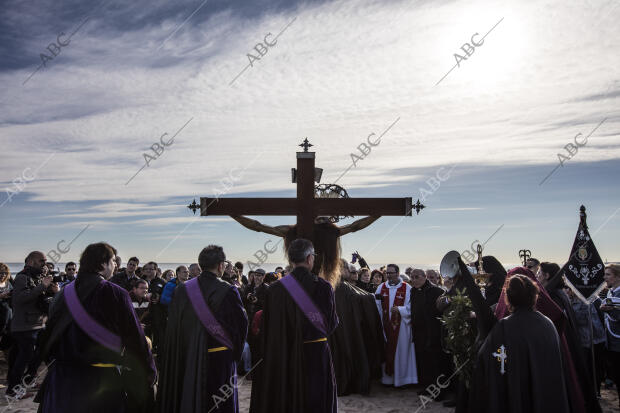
{"x":143,"y":338}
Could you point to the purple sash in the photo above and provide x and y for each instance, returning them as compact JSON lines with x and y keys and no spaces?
{"x":205,"y":315}
{"x":305,"y":303}
{"x":89,"y":325}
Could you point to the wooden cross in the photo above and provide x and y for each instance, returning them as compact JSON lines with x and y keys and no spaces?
{"x":306,"y":206}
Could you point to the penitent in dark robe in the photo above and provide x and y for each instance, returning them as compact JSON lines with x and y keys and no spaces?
{"x":296,"y":372}
{"x":579,"y":387}
{"x":196,"y":376}
{"x":325,"y":238}
{"x":519,"y":367}
{"x":82,"y":373}
{"x":357,"y":344}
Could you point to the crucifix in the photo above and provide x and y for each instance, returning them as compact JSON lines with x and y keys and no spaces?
{"x":501,"y":357}
{"x":313,"y":212}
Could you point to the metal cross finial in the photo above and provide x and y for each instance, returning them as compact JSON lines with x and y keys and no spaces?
{"x":525,"y":255}
{"x":194,"y":206}
{"x":418,"y":207}
{"x":305,"y":144}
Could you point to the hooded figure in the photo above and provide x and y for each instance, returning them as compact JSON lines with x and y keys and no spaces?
{"x":576,"y":382}
{"x":498,"y":275}
{"x":519,"y":366}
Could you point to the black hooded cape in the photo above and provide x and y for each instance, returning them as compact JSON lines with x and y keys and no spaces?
{"x":496,"y":282}
{"x":533,"y":381}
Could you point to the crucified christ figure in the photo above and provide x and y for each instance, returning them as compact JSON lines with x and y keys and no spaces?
{"x":325,"y":238}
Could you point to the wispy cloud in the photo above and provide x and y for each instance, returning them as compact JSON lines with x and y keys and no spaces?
{"x":338,"y":72}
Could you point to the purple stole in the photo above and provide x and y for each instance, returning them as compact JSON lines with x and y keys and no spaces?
{"x":305,"y":303}
{"x":206,"y":317}
{"x":89,"y":325}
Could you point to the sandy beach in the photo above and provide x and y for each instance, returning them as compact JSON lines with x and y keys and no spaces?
{"x":381,"y":400}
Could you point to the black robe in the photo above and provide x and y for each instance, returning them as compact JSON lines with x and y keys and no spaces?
{"x":533,"y":381}
{"x":358,"y":341}
{"x":192,"y":379}
{"x":484,"y":322}
{"x":295,"y":376}
{"x":426,"y":333}
{"x":496,"y":282}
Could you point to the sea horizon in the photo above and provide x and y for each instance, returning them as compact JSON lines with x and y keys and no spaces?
{"x":16,"y":267}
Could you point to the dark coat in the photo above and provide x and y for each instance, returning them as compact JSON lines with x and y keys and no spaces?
{"x":122,"y":280}
{"x":194,"y":379}
{"x":295,"y":376}
{"x":426,"y":333}
{"x":358,"y":341}
{"x":28,"y":294}
{"x":533,"y":379}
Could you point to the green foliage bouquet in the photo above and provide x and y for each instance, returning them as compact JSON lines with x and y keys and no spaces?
{"x":460,"y":334}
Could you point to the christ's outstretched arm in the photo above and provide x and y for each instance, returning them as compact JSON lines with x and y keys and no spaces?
{"x":254,"y":225}
{"x":357,"y":225}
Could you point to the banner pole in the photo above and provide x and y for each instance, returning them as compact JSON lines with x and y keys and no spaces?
{"x":592,"y":348}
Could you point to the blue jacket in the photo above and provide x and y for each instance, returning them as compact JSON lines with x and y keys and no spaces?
{"x":168,"y":292}
{"x":612,"y":323}
{"x":583,"y":325}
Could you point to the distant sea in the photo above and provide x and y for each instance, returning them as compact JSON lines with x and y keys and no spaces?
{"x":16,"y":267}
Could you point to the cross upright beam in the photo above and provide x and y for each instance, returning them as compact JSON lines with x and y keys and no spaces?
{"x":305,"y":193}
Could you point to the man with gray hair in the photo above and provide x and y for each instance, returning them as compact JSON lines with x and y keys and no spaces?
{"x":433,"y":277}
{"x":194,"y":270}
{"x":296,"y":374}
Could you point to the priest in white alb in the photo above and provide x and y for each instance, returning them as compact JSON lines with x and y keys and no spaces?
{"x":394,"y":307}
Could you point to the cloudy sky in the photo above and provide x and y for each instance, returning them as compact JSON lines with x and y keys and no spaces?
{"x":88,"y":87}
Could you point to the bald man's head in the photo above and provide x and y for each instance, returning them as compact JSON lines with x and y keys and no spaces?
{"x":36,"y":259}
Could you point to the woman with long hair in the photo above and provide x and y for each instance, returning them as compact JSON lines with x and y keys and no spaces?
{"x":325,"y":238}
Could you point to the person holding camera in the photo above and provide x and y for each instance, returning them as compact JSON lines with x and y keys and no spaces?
{"x":255,"y":293}
{"x":158,"y":312}
{"x":33,"y":290}
{"x":6,"y":290}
